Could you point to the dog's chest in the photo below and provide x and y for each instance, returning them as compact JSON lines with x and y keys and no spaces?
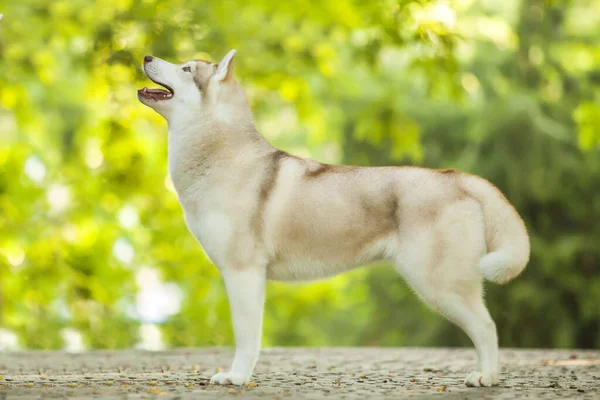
{"x":213,"y":229}
{"x":216,"y":214}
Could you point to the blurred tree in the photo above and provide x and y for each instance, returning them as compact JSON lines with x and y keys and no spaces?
{"x":89,"y":222}
{"x":516,"y":128}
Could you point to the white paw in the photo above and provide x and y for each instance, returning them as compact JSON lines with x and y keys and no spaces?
{"x":224,"y":378}
{"x":479,"y":379}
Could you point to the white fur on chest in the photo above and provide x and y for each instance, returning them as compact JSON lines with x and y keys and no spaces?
{"x":213,"y":230}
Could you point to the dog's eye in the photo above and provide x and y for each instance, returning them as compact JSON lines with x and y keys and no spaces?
{"x":187,"y":69}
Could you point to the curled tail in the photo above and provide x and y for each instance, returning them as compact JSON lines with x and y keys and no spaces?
{"x":505,"y":233}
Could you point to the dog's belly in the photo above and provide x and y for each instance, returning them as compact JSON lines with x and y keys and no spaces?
{"x":298,"y":264}
{"x":306,"y":270}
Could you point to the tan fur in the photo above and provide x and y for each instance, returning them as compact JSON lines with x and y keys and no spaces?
{"x":261,"y":213}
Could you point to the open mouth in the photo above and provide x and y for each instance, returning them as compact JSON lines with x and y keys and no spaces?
{"x":157,"y":94}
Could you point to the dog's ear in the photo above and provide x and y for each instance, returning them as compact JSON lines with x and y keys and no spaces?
{"x":225,"y":68}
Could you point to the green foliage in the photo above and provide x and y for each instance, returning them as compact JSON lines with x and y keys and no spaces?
{"x":504,"y":89}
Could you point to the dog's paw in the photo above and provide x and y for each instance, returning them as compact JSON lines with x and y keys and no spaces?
{"x":479,"y":379}
{"x":224,"y":378}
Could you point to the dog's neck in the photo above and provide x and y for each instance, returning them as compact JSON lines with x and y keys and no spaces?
{"x":204,"y":144}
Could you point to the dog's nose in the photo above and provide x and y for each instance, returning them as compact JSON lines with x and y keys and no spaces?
{"x":148,"y":59}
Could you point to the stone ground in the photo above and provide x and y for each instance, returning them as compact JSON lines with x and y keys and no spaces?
{"x":341,"y":373}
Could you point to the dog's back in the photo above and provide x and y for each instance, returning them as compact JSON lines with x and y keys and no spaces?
{"x":333,"y":218}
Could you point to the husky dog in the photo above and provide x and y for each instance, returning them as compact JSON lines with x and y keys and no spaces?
{"x":261,"y":213}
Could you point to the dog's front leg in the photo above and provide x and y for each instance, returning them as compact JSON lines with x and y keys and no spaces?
{"x":246,"y":292}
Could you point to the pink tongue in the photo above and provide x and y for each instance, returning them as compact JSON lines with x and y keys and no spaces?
{"x":157,"y":91}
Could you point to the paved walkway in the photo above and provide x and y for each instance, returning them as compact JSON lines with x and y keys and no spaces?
{"x":341,"y":373}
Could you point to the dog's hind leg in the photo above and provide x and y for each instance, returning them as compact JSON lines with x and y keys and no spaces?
{"x":440,"y":263}
{"x":471,"y":315}
{"x":465,"y":307}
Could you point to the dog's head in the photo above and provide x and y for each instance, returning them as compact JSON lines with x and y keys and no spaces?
{"x":193,"y":87}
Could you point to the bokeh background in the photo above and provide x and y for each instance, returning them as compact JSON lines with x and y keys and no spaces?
{"x":94,"y":252}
